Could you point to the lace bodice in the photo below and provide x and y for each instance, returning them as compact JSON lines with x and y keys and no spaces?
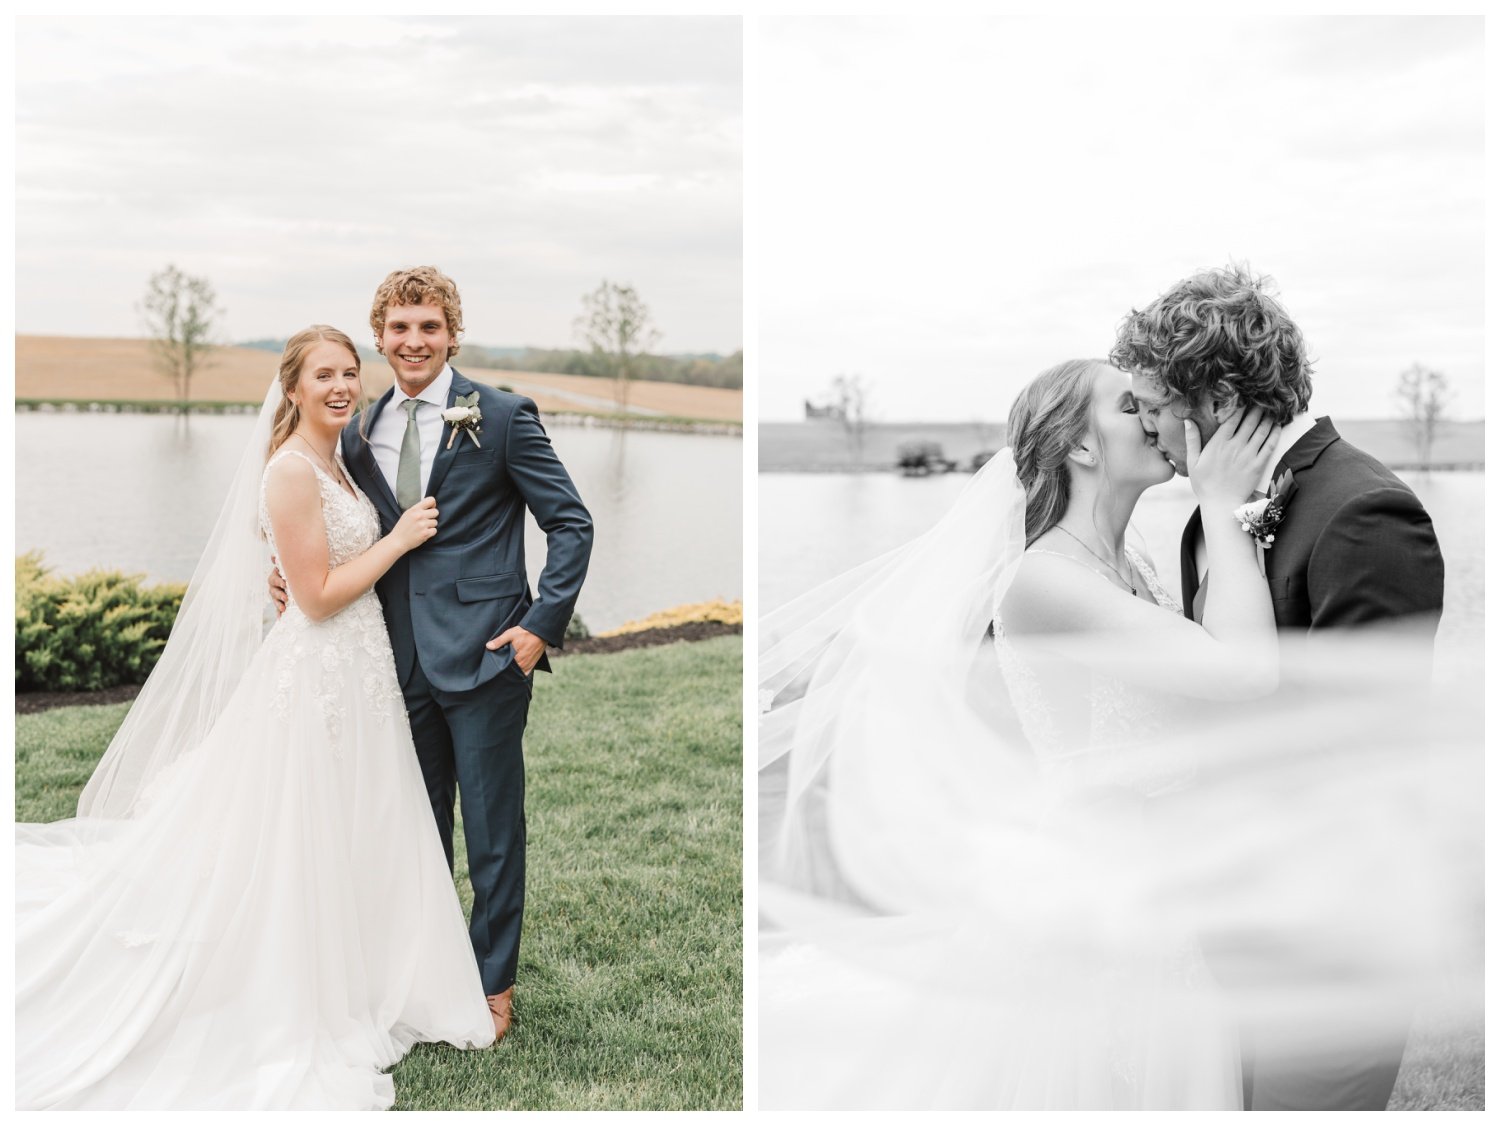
{"x":1109,"y":740}
{"x":352,"y":526}
{"x":351,"y":522}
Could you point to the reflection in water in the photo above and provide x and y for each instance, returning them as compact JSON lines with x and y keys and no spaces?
{"x":618,"y":463}
{"x":140,"y":493}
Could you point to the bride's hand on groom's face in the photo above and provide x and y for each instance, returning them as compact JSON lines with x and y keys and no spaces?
{"x":1226,"y":469}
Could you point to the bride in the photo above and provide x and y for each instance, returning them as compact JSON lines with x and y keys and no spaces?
{"x":1011,"y":851}
{"x":252,"y":909}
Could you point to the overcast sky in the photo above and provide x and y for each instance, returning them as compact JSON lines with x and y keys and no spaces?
{"x":947,"y":208}
{"x":295,"y":162}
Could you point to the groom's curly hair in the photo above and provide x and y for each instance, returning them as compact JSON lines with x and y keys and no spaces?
{"x":1222,"y":333}
{"x":418,"y":285}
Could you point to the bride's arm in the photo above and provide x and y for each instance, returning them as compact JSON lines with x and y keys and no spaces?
{"x":1066,"y":606}
{"x":295,"y":505}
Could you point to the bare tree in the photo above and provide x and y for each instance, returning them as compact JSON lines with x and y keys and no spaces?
{"x":851,"y":399}
{"x":178,"y":311}
{"x":617,"y":327}
{"x":1423,"y":397}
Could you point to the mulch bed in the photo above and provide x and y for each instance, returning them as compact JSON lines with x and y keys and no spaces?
{"x":643,"y":639}
{"x":29,"y":702}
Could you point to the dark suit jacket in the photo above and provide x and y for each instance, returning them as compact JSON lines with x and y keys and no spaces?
{"x":1355,"y":545}
{"x":468,"y":583}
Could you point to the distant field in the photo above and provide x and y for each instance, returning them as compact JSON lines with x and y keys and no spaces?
{"x":821,"y":446}
{"x":70,"y":367}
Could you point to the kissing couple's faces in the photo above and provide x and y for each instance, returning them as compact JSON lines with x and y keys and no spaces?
{"x":1162,"y":413}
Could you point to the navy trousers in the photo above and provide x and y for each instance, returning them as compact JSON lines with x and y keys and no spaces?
{"x":471,"y":741}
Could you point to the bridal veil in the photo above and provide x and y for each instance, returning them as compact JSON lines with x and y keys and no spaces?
{"x":218,"y":629}
{"x":923,"y":877}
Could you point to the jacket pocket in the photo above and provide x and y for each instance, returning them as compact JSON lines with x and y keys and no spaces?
{"x":473,"y":459}
{"x":483,"y":587}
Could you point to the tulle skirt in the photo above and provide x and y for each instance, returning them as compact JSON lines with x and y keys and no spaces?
{"x":274,"y":929}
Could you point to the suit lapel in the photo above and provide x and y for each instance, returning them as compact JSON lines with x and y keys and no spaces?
{"x":1190,"y":563}
{"x":449,"y":444}
{"x":361,"y":461}
{"x":1307,"y":449}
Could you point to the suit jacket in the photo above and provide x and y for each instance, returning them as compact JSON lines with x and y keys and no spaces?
{"x":468,"y":583}
{"x":1355,"y":544}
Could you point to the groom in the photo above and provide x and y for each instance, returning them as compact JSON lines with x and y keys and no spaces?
{"x":465,"y":628}
{"x":1354,"y":547}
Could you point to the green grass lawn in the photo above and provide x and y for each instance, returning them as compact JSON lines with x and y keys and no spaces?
{"x":629,"y":992}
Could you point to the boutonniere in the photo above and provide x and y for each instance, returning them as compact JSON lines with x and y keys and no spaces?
{"x":464,"y":415}
{"x":1262,"y":517}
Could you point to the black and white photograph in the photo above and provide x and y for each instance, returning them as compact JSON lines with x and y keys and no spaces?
{"x":1120,"y":507}
{"x":378,"y":478}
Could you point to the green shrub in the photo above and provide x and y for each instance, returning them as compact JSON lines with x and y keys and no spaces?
{"x":576,"y":630}
{"x":92,"y":631}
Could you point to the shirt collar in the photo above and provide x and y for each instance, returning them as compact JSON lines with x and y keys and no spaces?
{"x":1291,"y":434}
{"x":435,"y":392}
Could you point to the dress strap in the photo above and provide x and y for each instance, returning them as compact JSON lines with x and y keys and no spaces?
{"x":284,"y":452}
{"x":318,"y":469}
{"x":1158,"y":591}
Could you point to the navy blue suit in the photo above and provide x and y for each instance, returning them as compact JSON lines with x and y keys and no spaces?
{"x":468,"y":584}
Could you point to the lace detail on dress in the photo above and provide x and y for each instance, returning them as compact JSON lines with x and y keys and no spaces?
{"x":1113,"y":747}
{"x":352,"y":526}
{"x":1163,"y":597}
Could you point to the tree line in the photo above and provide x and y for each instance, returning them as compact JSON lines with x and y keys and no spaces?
{"x":180,"y":314}
{"x":704,"y":370}
{"x":1422,"y":397}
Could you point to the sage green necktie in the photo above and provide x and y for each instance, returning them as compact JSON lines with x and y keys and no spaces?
{"x":409,"y":468}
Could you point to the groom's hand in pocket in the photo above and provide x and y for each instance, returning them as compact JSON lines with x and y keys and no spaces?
{"x":526,"y":647}
{"x":278,"y":588}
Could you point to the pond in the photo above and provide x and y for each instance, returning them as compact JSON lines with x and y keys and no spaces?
{"x":140,"y":492}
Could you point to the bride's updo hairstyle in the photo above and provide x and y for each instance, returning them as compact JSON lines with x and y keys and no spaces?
{"x":1048,"y":420}
{"x":288,"y":414}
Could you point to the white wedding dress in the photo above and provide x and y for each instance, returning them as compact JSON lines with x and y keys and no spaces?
{"x":276,"y":925}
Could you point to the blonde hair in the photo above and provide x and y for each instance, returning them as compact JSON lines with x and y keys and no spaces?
{"x":288,"y":414}
{"x":1047,"y":421}
{"x":418,"y":285}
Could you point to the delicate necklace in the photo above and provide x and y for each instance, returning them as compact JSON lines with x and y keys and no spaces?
{"x":1097,"y":556}
{"x":331,"y":471}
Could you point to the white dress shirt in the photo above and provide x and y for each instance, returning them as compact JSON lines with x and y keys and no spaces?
{"x":1291,"y":434}
{"x":390,"y":427}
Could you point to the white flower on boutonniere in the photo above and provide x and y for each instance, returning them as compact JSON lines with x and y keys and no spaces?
{"x":1262,"y":517}
{"x":464,"y":415}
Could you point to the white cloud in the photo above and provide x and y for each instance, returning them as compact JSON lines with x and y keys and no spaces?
{"x":295,"y":161}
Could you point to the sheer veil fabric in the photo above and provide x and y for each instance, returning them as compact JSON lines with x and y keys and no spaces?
{"x":851,"y":676}
{"x":957,"y":913}
{"x":218,"y":629}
